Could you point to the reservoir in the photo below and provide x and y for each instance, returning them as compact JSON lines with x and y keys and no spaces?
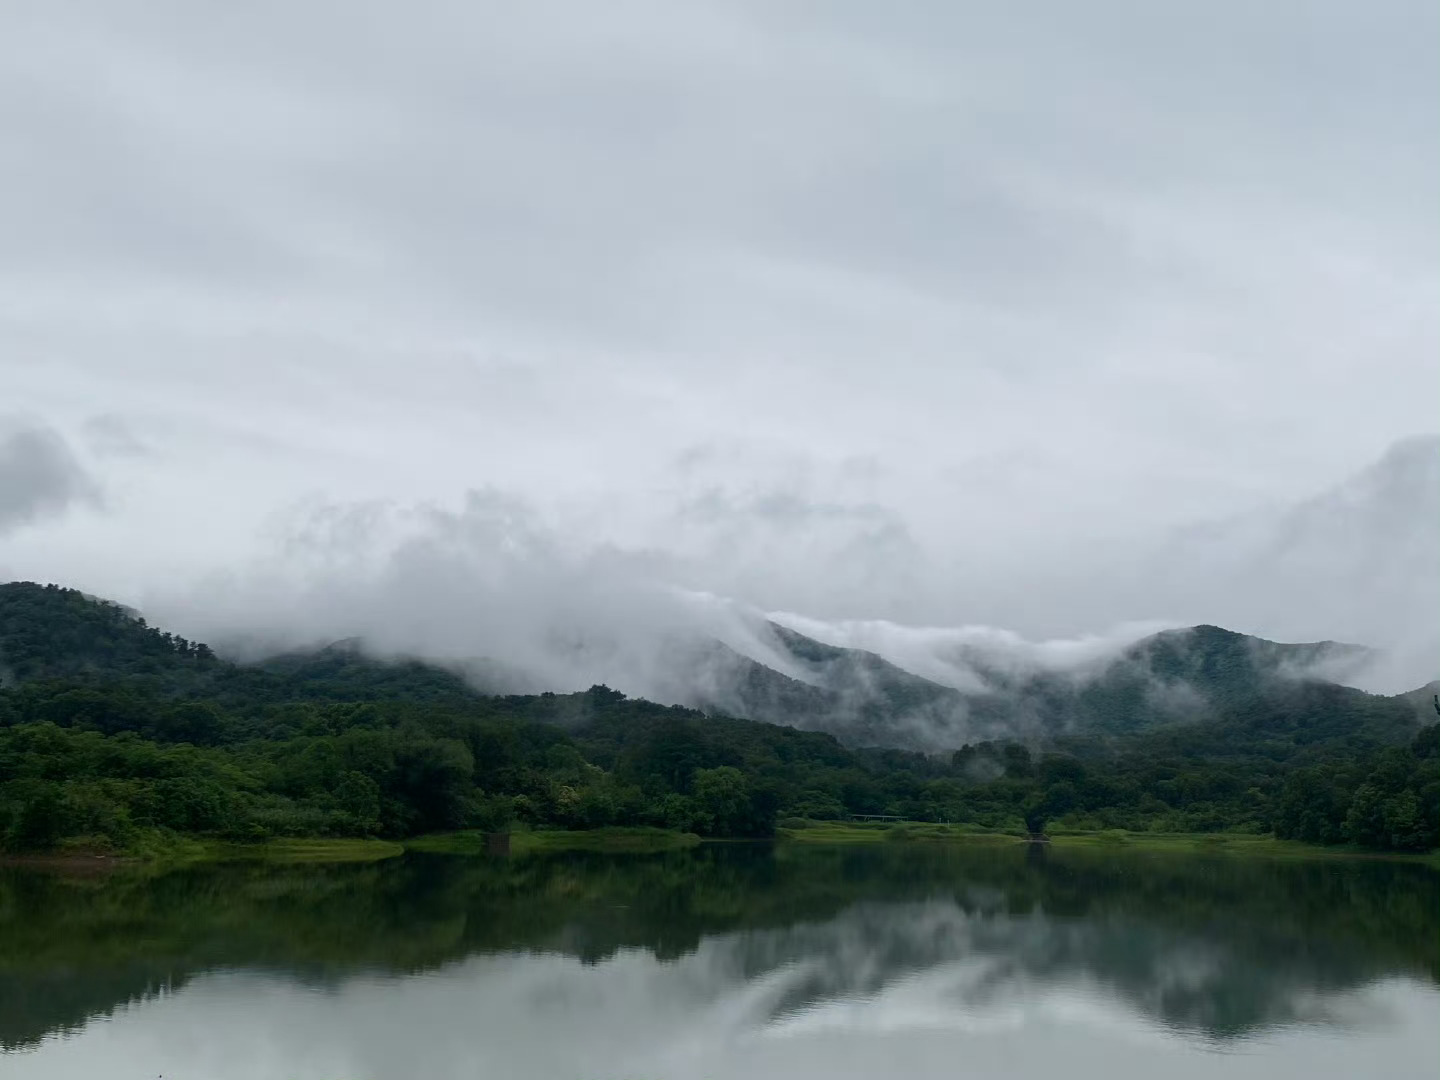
{"x":726,"y":962}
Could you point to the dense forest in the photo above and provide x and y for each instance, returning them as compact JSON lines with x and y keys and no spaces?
{"x":114,"y":735}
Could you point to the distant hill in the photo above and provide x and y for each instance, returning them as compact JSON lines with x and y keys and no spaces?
{"x":1358,"y":558}
{"x":863,"y":699}
{"x":49,"y":632}
{"x":1423,"y":700}
{"x":857,"y":696}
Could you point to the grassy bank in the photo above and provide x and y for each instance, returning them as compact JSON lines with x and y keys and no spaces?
{"x":319,"y":850}
{"x":1240,"y":844}
{"x":618,"y":839}
{"x":876,"y":832}
{"x":188,"y":849}
{"x":164,"y":848}
{"x":171,"y":849}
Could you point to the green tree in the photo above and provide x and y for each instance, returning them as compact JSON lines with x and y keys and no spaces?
{"x":359,"y":797}
{"x":38,"y":815}
{"x":723,"y":799}
{"x":1365,"y":821}
{"x":1403,"y":826}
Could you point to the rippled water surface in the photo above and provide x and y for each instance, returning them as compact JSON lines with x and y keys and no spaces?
{"x":726,"y":961}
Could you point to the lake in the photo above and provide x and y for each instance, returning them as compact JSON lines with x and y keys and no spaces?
{"x":726,"y":961}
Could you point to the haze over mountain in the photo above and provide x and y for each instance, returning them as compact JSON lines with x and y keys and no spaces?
{"x":490,"y":592}
{"x":1195,"y":675}
{"x":1358,"y":559}
{"x":1191,"y":674}
{"x":492,"y":585}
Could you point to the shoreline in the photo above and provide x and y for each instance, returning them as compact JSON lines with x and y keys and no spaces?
{"x":1264,"y":845}
{"x":644,"y":840}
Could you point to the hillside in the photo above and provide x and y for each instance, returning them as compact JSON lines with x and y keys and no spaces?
{"x":859,"y":697}
{"x":48,"y":632}
{"x":1371,"y":539}
{"x":1189,"y":675}
{"x":1425,"y":700}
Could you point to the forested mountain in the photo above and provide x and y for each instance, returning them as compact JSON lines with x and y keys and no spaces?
{"x":1191,"y":674}
{"x":1371,"y":539}
{"x":113,"y":733}
{"x":47,"y":633}
{"x":859,"y":697}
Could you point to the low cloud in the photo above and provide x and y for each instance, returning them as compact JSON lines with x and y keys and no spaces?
{"x":490,"y":581}
{"x":951,"y":655}
{"x":521,"y":603}
{"x":493,"y":581}
{"x":39,"y":475}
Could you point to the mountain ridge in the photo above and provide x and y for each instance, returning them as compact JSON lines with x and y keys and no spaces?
{"x":1180,"y":675}
{"x":1175,"y":675}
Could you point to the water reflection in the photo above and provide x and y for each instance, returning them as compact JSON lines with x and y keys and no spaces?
{"x":722,"y":959}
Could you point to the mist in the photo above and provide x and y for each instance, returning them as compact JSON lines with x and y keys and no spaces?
{"x":40,"y":476}
{"x":491,"y":590}
{"x":521,"y":602}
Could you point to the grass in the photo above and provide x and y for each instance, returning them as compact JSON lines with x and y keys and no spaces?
{"x":315,"y":850}
{"x":158,"y":847}
{"x":615,"y":838}
{"x":1238,"y":844}
{"x":163,"y":849}
{"x":877,"y":832}
{"x":1242,"y":844}
{"x":184,"y":849}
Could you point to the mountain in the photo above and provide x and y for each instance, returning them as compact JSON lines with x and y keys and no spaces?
{"x":857,"y":696}
{"x":1199,"y":674}
{"x":48,"y":632}
{"x":1358,"y":559}
{"x":864,"y":699}
{"x":1424,"y":700}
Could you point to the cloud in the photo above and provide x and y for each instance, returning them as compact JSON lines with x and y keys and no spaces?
{"x":109,"y":436}
{"x":488,"y":581}
{"x":39,"y":475}
{"x":525,"y":603}
{"x":1354,"y":562}
{"x":939,"y":316}
{"x":525,"y":600}
{"x":951,"y":655}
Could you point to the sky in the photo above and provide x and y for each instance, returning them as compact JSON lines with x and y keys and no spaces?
{"x":936,"y":313}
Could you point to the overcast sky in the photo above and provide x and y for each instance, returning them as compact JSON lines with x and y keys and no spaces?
{"x":864,"y":310}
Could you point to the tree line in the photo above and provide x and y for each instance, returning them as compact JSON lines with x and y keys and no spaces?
{"x":110,"y":763}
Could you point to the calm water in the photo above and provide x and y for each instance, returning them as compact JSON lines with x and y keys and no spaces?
{"x":728,"y":961}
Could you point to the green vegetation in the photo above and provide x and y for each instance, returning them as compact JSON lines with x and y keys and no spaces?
{"x":1216,"y":843}
{"x":176,"y":849}
{"x":1267,"y":846}
{"x":116,"y":737}
{"x":527,"y":841}
{"x":874,"y":832}
{"x":310,"y":850}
